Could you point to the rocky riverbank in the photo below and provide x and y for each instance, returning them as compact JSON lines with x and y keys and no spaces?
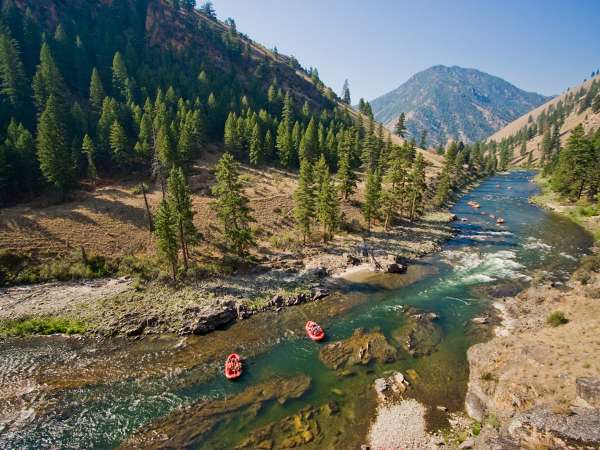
{"x":120,"y":307}
{"x":537,"y":383}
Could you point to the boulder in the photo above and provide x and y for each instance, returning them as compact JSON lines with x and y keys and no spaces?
{"x":352,"y":260}
{"x":319,"y":272}
{"x":480,"y":320}
{"x":277,"y":300}
{"x":319,"y":293}
{"x":399,"y":259}
{"x":588,"y":389}
{"x":579,"y":429}
{"x":395,"y":268}
{"x":204,"y":319}
{"x":360,"y":348}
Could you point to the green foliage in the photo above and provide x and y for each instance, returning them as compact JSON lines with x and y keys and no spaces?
{"x":180,"y":202}
{"x":328,"y":207}
{"x":577,"y":165}
{"x":372,"y":204}
{"x":231,"y":206}
{"x":52,"y":151}
{"x":43,"y":325}
{"x":304,"y":203}
{"x":165,"y":228}
{"x":556,"y":319}
{"x":400,"y":128}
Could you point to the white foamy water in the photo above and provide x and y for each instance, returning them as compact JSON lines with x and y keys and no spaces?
{"x":532,"y":243}
{"x":472,"y":267}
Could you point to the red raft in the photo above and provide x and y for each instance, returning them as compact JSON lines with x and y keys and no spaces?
{"x":314,"y":331}
{"x":233,"y":366}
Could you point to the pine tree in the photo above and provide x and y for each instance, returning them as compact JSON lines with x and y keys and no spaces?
{"x":232,"y":137}
{"x":372,"y":204}
{"x":96,"y":92}
{"x":52,"y":150}
{"x":12,"y":74}
{"x":423,"y":140}
{"x":120,"y":78}
{"x":48,"y":81}
{"x":284,"y":143}
{"x":418,"y":182}
{"x":304,"y":204}
{"x":443,"y":189}
{"x":523,"y":149}
{"x":345,"y":175}
{"x":256,"y":145}
{"x":269,"y":145}
{"x":180,"y":202}
{"x":165,"y":147}
{"x":309,"y":145}
{"x":346,"y":93}
{"x":575,"y":161}
{"x":208,"y":9}
{"x":118,"y":144}
{"x":328,"y":208}
{"x":400,"y":128}
{"x":231,"y":206}
{"x":165,"y":227}
{"x":89,"y":151}
{"x":395,"y":181}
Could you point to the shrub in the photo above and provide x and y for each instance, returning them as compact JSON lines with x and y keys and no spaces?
{"x":284,"y":241}
{"x":556,"y":318}
{"x":141,"y":268}
{"x":42,"y":325}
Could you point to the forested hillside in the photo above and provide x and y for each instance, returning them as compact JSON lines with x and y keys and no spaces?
{"x":453,"y":103}
{"x":133,"y":115}
{"x":562,"y":138}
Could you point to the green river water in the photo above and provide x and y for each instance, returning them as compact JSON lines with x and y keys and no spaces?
{"x":84,"y":393}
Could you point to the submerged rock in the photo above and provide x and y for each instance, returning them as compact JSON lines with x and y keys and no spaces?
{"x":187,"y":427}
{"x":360,"y":348}
{"x":419,"y":336}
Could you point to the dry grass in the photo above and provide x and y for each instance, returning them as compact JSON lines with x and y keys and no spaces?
{"x":111,"y":221}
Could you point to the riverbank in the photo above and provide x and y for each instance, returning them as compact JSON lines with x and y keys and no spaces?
{"x":537,"y":383}
{"x":121,"y":307}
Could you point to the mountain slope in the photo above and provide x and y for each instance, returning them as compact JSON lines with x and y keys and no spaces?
{"x":567,"y":110}
{"x":454,"y":103}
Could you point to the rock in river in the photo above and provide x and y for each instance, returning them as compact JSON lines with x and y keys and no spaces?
{"x":360,"y":348}
{"x":188,"y":427}
{"x":204,"y":319}
{"x":419,"y":335}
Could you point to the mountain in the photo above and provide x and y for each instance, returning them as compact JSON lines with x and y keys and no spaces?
{"x":454,"y":103}
{"x":530,"y":136}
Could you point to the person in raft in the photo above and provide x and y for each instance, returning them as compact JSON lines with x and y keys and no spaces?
{"x":315,"y":329}
{"x":234,"y":365}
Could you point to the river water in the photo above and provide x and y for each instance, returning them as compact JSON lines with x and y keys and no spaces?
{"x":85,"y":393}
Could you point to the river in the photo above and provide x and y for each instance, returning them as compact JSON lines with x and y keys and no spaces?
{"x":91,"y":393}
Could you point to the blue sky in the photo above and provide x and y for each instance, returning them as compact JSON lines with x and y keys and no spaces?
{"x":538,"y":45}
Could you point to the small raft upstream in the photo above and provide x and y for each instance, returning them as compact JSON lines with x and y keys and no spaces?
{"x":233,"y":366}
{"x":314,"y":331}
